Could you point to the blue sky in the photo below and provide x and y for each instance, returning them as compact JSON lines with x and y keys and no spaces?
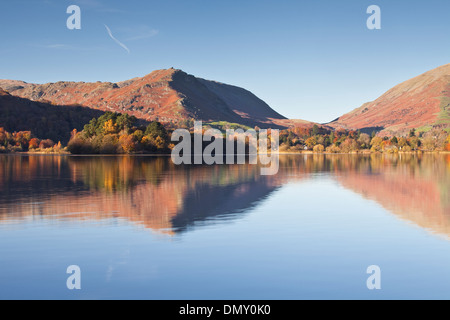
{"x":312,"y":60}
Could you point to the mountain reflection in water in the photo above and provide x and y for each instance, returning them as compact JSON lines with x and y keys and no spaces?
{"x":171,"y":199}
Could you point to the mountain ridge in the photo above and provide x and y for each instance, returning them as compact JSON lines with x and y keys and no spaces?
{"x":173,"y":96}
{"x":167,"y":95}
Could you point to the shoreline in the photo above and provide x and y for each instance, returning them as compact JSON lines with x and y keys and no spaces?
{"x":169,"y":155}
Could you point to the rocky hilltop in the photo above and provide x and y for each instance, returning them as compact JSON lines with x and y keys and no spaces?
{"x":164,"y":95}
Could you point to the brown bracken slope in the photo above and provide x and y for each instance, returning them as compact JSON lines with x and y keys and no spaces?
{"x":163,"y":95}
{"x":422,"y":102}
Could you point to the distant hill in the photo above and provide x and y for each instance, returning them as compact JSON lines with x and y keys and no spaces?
{"x":422,"y":103}
{"x":163,"y":95}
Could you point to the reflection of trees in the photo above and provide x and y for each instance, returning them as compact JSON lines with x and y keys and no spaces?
{"x":162,"y":196}
{"x":117,"y":173}
{"x":433,"y":168}
{"x":122,"y":173}
{"x":21,"y":175}
{"x":148,"y":190}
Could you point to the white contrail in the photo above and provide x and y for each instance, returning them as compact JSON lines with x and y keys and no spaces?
{"x":117,"y":41}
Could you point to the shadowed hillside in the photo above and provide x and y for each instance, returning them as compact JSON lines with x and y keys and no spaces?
{"x":44,"y":120}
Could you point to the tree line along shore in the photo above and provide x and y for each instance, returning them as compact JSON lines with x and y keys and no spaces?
{"x":114,"y":133}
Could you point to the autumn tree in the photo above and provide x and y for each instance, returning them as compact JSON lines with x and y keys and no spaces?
{"x":311,"y":142}
{"x":429,"y":143}
{"x":434,"y":140}
{"x":320,"y":140}
{"x":353,"y":134}
{"x":22,"y":139}
{"x":116,"y":133}
{"x":349,"y":145}
{"x":127,"y":143}
{"x":160,"y":143}
{"x":3,"y":137}
{"x":138,"y":134}
{"x":376,"y":144}
{"x":125,"y":122}
{"x":319,"y":148}
{"x":402,"y":142}
{"x":153,"y":144}
{"x":57,"y":147}
{"x":156,"y":129}
{"x":109,"y":127}
{"x":79,"y":144}
{"x":441,"y":139}
{"x":90,"y":129}
{"x":315,"y":130}
{"x":414,"y":142}
{"x":333,"y":149}
{"x":332,"y":137}
{"x":107,"y":144}
{"x":46,"y":144}
{"x":364,"y":140}
{"x":34,"y":143}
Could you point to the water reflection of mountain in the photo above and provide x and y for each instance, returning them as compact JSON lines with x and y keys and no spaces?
{"x":171,"y":199}
{"x":207,"y":203}
{"x":150,"y":191}
{"x":415,"y":189}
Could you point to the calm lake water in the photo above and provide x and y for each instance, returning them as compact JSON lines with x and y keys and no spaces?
{"x":143,"y":228}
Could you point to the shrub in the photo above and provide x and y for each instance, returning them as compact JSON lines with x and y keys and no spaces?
{"x":45,"y":144}
{"x":406,"y":149}
{"x":377,"y":144}
{"x":79,"y":145}
{"x":333,"y":149}
{"x":391,"y":149}
{"x":311,"y":142}
{"x":319,"y":148}
{"x":349,"y":145}
{"x":34,"y":143}
{"x":109,"y":144}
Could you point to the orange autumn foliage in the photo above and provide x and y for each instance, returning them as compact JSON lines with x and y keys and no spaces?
{"x":109,"y":127}
{"x":34,"y":143}
{"x":128,"y":143}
